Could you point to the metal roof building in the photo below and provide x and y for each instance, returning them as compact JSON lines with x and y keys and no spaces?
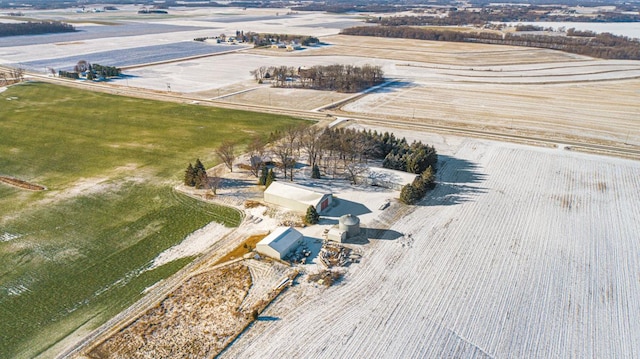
{"x":297,"y":197}
{"x":280,"y":242}
{"x":387,"y":178}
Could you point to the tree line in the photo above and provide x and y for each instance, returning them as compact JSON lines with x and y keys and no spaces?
{"x":105,"y":71}
{"x":341,"y":78}
{"x":34,"y":28}
{"x":266,"y":39}
{"x":605,"y":45}
{"x":505,"y":14}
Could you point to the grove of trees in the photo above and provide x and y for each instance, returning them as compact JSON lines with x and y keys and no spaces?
{"x":345,"y":153}
{"x":34,"y":28}
{"x":341,"y":78}
{"x":196,"y":176}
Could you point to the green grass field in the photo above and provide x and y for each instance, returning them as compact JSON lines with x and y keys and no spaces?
{"x":78,"y":253}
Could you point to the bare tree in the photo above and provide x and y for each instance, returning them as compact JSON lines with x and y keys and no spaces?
{"x":226,"y":153}
{"x":287,"y":148}
{"x":256,"y":149}
{"x":310,"y":143}
{"x":214,"y":183}
{"x":354,"y":170}
{"x":283,"y":152}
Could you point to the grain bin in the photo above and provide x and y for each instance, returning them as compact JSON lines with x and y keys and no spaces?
{"x":350,"y":224}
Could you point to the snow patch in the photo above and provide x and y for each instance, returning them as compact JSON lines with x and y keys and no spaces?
{"x":195,"y":243}
{"x":17,"y":290}
{"x":6,"y":237}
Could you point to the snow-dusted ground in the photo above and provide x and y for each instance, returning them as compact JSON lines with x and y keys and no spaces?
{"x":519,"y":252}
{"x":196,"y":243}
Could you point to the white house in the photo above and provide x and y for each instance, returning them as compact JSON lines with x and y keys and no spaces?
{"x":297,"y":197}
{"x":387,"y":178}
{"x":280,"y":242}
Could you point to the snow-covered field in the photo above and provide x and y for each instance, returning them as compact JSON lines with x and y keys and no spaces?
{"x":520,"y":252}
{"x":125,"y":29}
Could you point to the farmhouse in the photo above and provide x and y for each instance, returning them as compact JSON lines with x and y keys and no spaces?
{"x":387,"y":178}
{"x":280,"y":242}
{"x":297,"y":197}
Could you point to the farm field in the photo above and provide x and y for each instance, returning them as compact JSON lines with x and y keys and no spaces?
{"x":518,"y":90}
{"x":76,"y":254}
{"x":518,"y":252}
{"x":135,"y":56}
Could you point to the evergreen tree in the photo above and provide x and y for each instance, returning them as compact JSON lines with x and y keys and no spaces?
{"x":408,"y":195}
{"x":312,"y":216}
{"x":428,"y":178}
{"x":270,"y":178}
{"x":315,"y":172}
{"x":200,"y":179}
{"x":190,"y":176}
{"x":199,"y":165}
{"x":262,"y":180}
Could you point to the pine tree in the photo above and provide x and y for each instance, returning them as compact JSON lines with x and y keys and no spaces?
{"x":200,"y":178}
{"x":408,"y":195}
{"x":315,"y":172}
{"x":190,"y":176}
{"x":428,"y":178}
{"x":199,"y":165}
{"x":271,"y":177}
{"x":312,"y":216}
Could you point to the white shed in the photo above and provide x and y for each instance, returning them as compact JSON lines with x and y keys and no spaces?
{"x":387,"y":178}
{"x":297,"y":197}
{"x":280,"y":242}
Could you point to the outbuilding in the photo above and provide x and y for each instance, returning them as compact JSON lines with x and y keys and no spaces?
{"x":297,"y":197}
{"x":387,"y":178}
{"x":280,"y":242}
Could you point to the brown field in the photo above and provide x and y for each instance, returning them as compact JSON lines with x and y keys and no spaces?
{"x":200,"y":317}
{"x":435,"y":52}
{"x":515,"y":90}
{"x":196,"y":320}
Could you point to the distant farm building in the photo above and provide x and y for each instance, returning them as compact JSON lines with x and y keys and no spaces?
{"x":387,"y":178}
{"x":280,"y":242}
{"x":297,"y":197}
{"x":293,"y":46}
